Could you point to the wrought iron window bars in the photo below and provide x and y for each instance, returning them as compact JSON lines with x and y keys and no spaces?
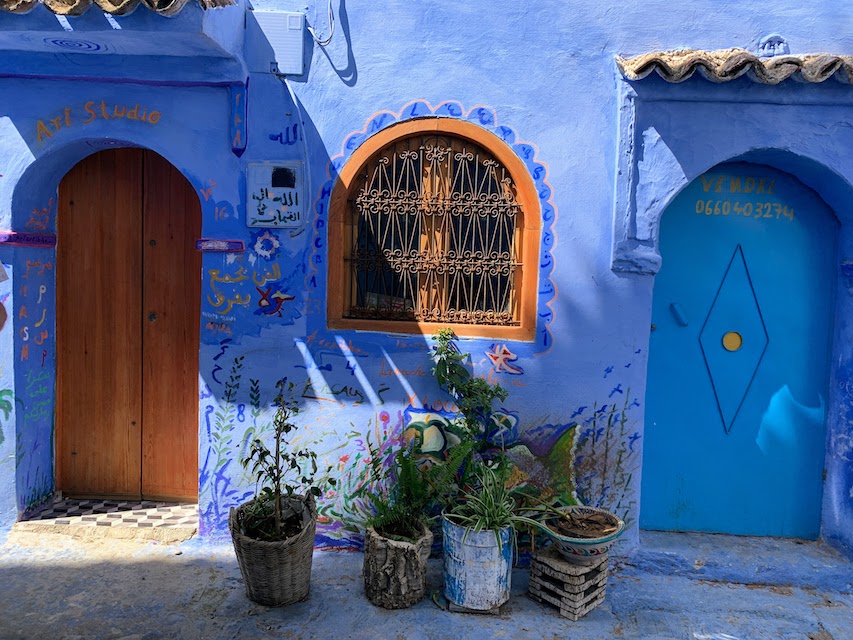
{"x":434,"y":235}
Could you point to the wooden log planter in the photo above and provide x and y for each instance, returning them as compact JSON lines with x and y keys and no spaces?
{"x":395,"y":571}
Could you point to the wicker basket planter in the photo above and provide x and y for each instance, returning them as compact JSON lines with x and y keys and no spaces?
{"x":276,"y":573}
{"x":395,"y":571}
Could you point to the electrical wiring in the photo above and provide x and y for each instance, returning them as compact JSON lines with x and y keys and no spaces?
{"x":324,"y":42}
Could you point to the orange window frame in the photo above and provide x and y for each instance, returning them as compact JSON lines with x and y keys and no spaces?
{"x":529,"y":230}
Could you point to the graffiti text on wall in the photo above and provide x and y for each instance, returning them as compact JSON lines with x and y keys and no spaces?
{"x":273,"y":195}
{"x":92,"y":111}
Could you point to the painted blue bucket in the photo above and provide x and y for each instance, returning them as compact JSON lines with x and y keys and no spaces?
{"x":477,"y":569}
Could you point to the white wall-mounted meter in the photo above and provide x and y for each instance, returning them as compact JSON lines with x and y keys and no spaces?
{"x":275,"y":42}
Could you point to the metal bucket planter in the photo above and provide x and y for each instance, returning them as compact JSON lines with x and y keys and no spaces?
{"x":276,"y":573}
{"x":477,"y":566}
{"x":395,"y":571}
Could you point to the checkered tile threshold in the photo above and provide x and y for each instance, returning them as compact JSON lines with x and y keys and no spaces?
{"x":114,"y":513}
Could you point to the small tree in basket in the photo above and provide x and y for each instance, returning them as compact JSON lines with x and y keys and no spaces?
{"x":281,"y":473}
{"x":273,"y":533}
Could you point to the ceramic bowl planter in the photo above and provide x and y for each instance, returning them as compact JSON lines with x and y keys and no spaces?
{"x":477,"y":566}
{"x":586,"y":535}
{"x":276,"y":573}
{"x":395,"y":570}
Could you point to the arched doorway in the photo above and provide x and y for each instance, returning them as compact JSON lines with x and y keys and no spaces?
{"x":739,"y":357}
{"x":128,"y":288}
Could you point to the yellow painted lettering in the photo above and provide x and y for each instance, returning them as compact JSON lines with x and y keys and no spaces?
{"x":770,"y":187}
{"x":104,"y":110}
{"x":719,"y":187}
{"x":734,"y":184}
{"x":90,"y":111}
{"x":117,"y":113}
{"x":25,"y":352}
{"x":67,"y":116}
{"x":706,"y":183}
{"x":55,"y":122}
{"x":42,"y":131}
{"x":133,"y":114}
{"x":760,"y":186}
{"x":749,"y":186}
{"x":154,"y":117}
{"x":23,"y":312}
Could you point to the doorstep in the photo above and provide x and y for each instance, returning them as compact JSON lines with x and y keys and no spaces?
{"x":123,"y":519}
{"x":760,"y":561}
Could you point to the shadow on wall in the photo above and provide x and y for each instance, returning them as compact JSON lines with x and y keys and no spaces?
{"x":325,"y":33}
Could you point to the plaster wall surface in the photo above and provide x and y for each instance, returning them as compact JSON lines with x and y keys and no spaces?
{"x":605,"y":158}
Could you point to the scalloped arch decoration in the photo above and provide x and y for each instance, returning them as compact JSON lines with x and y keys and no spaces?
{"x":479,"y":116}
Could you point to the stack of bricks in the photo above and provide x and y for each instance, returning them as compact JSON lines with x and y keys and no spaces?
{"x":574,"y":589}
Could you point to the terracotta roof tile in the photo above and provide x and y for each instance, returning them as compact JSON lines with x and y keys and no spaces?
{"x":115,"y":7}
{"x":723,"y":65}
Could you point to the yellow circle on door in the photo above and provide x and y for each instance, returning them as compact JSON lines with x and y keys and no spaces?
{"x":732,"y":341}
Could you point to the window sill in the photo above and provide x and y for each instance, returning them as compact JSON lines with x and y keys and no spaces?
{"x":488,"y":332}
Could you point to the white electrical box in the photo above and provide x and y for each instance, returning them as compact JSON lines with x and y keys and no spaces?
{"x":275,"y":42}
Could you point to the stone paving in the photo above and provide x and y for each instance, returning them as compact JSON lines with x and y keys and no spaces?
{"x":678,"y":586}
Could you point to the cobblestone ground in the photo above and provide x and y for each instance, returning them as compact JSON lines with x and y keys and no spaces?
{"x":679,"y":586}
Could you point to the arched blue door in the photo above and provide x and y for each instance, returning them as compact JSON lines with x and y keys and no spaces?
{"x":739,"y":355}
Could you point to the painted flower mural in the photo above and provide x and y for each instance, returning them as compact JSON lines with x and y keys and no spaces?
{"x":266,"y":244}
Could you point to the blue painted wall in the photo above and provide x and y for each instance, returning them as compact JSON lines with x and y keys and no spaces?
{"x":605,"y":156}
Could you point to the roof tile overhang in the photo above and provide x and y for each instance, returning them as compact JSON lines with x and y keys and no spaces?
{"x":723,"y":65}
{"x":115,"y":7}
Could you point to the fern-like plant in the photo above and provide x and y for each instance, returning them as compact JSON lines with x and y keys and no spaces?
{"x":474,"y":398}
{"x":404,"y":495}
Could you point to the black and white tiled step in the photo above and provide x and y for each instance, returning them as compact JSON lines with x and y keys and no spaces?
{"x":118,"y":513}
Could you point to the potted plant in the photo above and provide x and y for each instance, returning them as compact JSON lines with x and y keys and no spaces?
{"x":478,"y":526}
{"x":397,"y":540}
{"x":582,"y":534}
{"x":273,"y":534}
{"x":479,"y":539}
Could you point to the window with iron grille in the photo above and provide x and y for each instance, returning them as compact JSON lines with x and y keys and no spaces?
{"x":432,"y":232}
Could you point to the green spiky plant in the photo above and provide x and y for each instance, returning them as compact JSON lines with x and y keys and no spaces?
{"x":489,"y":506}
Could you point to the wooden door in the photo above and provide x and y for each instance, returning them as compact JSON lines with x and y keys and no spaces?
{"x":128,"y":286}
{"x":739,"y":357}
